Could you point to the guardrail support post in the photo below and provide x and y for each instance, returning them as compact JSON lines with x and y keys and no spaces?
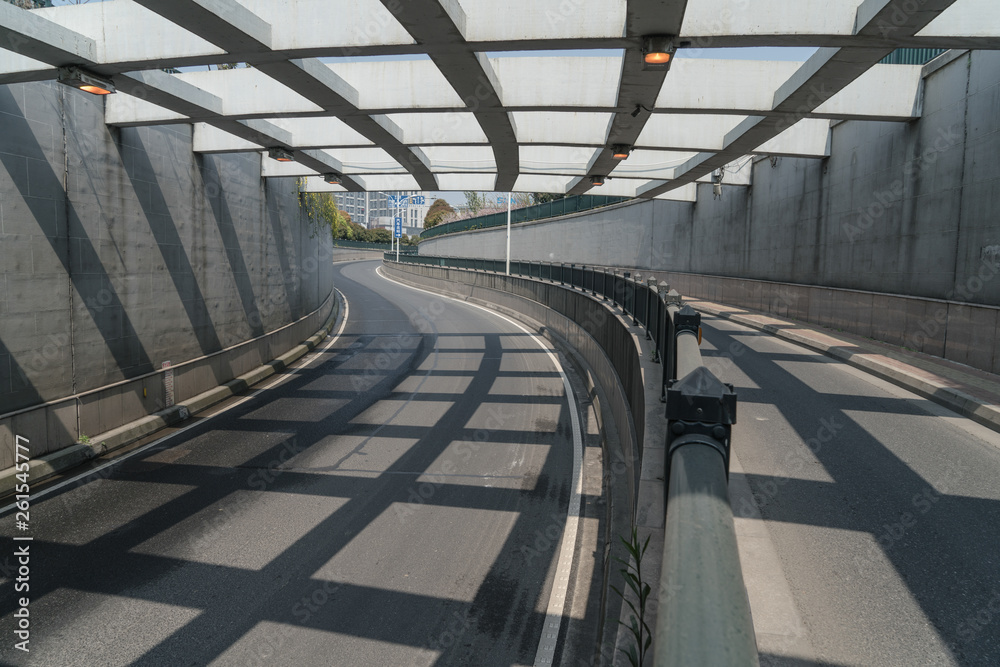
{"x":673,"y":303}
{"x":650,"y":295}
{"x":634,"y":285}
{"x":702,"y":620}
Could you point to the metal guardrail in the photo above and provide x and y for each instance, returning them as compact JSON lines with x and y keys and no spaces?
{"x":527,"y":214}
{"x":704,"y":617}
{"x":365,"y":245}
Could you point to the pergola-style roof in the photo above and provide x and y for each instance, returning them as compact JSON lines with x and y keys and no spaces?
{"x":524,"y":95}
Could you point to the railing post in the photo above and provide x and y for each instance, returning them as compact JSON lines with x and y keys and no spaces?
{"x":687,"y":339}
{"x":650,"y":296}
{"x":702,"y":620}
{"x":635,"y":310}
{"x":673,"y":303}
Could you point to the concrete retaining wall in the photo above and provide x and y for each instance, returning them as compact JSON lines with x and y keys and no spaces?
{"x":898,"y":210}
{"x":119,"y":250}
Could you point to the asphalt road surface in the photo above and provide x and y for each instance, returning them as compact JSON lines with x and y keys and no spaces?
{"x":880,"y":539}
{"x":381,"y":507}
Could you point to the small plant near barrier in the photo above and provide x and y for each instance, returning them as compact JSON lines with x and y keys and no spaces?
{"x":632,"y":572}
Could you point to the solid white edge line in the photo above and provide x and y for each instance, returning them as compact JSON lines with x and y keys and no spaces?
{"x":282,"y":378}
{"x":567,"y":547}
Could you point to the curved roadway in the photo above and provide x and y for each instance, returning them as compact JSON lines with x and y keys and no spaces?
{"x":880,"y":540}
{"x":387,"y":505}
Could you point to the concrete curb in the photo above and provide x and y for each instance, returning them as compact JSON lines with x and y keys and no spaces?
{"x":72,"y":456}
{"x":919,"y":381}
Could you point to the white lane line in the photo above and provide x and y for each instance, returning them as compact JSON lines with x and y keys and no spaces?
{"x":545,"y":655}
{"x":282,"y":378}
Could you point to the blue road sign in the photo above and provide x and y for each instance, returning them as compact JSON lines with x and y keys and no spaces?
{"x":398,"y":227}
{"x":402,"y":201}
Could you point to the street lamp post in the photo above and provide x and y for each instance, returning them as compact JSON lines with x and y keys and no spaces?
{"x":509,"y":195}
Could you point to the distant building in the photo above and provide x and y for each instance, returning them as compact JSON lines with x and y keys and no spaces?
{"x":372,"y":210}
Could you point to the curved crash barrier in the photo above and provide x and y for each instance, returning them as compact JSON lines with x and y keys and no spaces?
{"x":704,"y":615}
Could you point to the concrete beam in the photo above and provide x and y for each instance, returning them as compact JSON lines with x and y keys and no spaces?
{"x":687,"y":193}
{"x":365,"y":29}
{"x":32,"y":35}
{"x":165,"y":90}
{"x":317,"y":83}
{"x":807,"y":138}
{"x":431,"y":22}
{"x":225,"y":23}
{"x":322,"y":164}
{"x":821,"y":77}
{"x":317,"y":184}
{"x":638,"y":87}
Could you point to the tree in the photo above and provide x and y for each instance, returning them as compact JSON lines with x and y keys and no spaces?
{"x":436,"y":213}
{"x":380,"y":235}
{"x":474,"y":201}
{"x":322,"y":211}
{"x":544,"y":197}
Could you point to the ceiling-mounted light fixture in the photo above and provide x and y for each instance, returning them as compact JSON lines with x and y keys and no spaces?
{"x":621,"y":151}
{"x":333,"y":179}
{"x":638,"y":110}
{"x":85,"y":81}
{"x":658,"y":51}
{"x":597,"y":180}
{"x":280,"y":154}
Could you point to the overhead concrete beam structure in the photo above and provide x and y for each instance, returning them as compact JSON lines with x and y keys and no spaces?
{"x":33,"y":36}
{"x":825,"y":74}
{"x":636,"y":90}
{"x":518,"y":95}
{"x":468,"y":72}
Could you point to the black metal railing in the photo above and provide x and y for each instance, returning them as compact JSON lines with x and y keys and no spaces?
{"x":702,"y":620}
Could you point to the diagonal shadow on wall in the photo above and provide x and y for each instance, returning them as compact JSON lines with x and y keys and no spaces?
{"x":168,"y":240}
{"x":97,"y":292}
{"x":15,"y":386}
{"x":231,"y":243}
{"x":294,"y":296}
